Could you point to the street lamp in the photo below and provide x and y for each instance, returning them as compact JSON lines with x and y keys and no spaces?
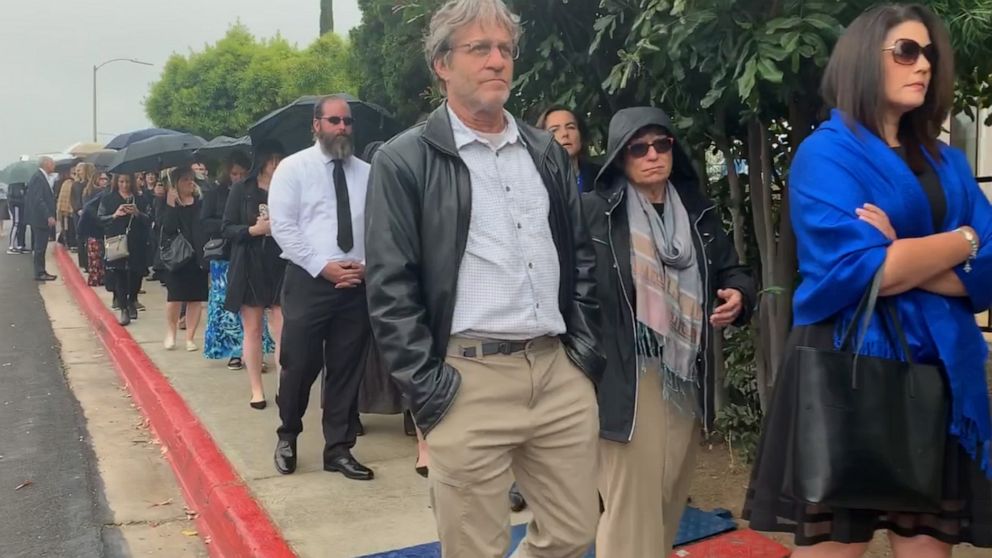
{"x":95,"y":68}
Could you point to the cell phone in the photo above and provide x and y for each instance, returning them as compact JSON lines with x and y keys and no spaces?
{"x":263,"y":211}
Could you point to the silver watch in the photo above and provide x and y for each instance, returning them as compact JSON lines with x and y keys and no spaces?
{"x":973,"y":240}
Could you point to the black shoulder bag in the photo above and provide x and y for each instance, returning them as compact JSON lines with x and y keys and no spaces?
{"x":869,"y":433}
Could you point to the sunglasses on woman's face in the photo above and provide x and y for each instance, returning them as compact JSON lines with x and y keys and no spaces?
{"x":660,"y":146}
{"x":907,"y":51}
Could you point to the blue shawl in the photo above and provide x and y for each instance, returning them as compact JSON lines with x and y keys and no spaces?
{"x":837,"y":170}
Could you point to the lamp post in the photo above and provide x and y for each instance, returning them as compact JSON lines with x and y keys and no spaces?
{"x":95,"y":68}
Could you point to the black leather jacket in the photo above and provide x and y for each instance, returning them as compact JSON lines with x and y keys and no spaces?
{"x":417,"y":220}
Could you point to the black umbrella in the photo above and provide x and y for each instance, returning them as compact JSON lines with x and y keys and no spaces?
{"x":124,"y":140}
{"x":221,"y":147}
{"x":102,"y":159}
{"x":292,"y":125}
{"x":157,"y":153}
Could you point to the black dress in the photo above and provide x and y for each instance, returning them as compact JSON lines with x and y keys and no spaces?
{"x":189,"y":283}
{"x":967,"y":510}
{"x":257,"y":268}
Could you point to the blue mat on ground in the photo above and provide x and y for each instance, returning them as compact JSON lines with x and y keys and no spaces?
{"x":696,"y":525}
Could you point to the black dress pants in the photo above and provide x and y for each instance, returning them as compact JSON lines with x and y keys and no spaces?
{"x":126,"y":286}
{"x":39,"y":245}
{"x":324,"y":328}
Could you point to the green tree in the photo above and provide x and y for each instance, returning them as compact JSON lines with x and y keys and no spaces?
{"x":740,"y":77}
{"x":326,"y":16}
{"x":227,"y":86}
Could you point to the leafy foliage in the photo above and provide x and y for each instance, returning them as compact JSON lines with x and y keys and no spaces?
{"x":226,"y":87}
{"x":741,"y":79}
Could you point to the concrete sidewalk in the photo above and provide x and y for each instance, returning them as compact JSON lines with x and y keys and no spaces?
{"x":320,"y":514}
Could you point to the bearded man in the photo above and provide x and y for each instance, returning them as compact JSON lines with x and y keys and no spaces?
{"x":317,"y":211}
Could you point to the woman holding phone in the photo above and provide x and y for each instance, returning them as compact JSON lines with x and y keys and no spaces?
{"x":254,"y":279}
{"x":124,"y":212}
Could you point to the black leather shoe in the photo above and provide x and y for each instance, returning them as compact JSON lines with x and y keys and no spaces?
{"x":47,"y":277}
{"x":124,"y":319}
{"x":132,"y":312}
{"x":285,"y":457}
{"x":349,"y":467}
{"x":517,"y":502}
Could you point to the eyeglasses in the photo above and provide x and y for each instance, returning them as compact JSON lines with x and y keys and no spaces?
{"x":907,"y":52}
{"x":660,"y":145}
{"x":335,"y":120}
{"x":484,"y":49}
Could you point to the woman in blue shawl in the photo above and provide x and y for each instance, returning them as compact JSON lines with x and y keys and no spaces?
{"x":874,"y":187}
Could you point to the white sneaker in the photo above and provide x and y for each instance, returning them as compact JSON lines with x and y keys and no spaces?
{"x":13,"y":251}
{"x":169,"y":343}
{"x":191,"y":347}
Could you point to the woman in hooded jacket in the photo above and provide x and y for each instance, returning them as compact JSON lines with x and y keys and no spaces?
{"x":668,"y":278}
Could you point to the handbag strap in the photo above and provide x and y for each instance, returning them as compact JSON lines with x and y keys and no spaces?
{"x":863,"y":313}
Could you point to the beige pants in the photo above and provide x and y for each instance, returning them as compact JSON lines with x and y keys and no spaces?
{"x":645,"y":483}
{"x":531,"y":416}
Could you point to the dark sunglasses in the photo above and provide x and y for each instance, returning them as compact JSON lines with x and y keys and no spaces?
{"x":660,"y":145}
{"x":335,"y":120}
{"x":907,"y":52}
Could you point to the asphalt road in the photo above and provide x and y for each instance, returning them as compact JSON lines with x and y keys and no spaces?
{"x":44,"y":446}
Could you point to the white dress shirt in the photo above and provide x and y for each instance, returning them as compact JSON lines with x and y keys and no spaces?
{"x":303,"y":209}
{"x":509,"y":276}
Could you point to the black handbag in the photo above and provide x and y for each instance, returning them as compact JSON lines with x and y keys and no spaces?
{"x":177,"y":253}
{"x":870,"y":433}
{"x":215,"y":249}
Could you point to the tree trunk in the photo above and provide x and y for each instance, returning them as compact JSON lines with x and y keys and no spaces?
{"x":326,"y":16}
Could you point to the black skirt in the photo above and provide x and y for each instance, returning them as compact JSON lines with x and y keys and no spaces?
{"x":189,"y":283}
{"x":967,"y":509}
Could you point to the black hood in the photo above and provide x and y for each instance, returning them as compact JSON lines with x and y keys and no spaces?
{"x":625,"y":125}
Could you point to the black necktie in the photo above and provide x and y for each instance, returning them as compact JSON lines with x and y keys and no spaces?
{"x":345,"y":239}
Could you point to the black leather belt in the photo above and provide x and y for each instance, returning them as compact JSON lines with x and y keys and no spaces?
{"x":494,"y":348}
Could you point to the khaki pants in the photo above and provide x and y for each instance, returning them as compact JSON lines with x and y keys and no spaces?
{"x":531,"y":416}
{"x":645,"y":483}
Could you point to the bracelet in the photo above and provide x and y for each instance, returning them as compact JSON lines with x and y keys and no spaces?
{"x":970,"y":237}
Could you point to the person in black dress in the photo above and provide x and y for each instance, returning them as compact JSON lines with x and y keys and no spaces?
{"x":181,"y":215}
{"x":124,"y":212}
{"x":254,"y":279}
{"x":873,"y":189}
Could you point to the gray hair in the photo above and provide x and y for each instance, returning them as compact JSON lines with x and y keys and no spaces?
{"x":456,"y":14}
{"x":45,"y":159}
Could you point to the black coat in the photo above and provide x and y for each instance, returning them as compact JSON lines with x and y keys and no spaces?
{"x":606,"y":215}
{"x":39,"y":202}
{"x":185,"y":219}
{"x":214,"y":203}
{"x":136,"y":227}
{"x":255,"y":274}
{"x":417,"y":223}
{"x":89,"y":224}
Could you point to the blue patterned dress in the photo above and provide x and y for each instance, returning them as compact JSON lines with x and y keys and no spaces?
{"x":224,"y":333}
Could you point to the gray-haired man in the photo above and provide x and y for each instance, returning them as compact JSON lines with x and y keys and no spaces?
{"x":481,"y":294}
{"x":39,"y":214}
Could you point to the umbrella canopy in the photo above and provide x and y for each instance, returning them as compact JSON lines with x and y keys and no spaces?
{"x":221,"y":147}
{"x":19,"y":172}
{"x":101,"y":159}
{"x":124,"y":140}
{"x":82,"y":148}
{"x":157,"y":153}
{"x":292,"y":124}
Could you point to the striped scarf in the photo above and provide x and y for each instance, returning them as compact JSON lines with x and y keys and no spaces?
{"x":668,"y":286}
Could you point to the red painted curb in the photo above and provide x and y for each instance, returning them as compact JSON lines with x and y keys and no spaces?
{"x":235,"y":523}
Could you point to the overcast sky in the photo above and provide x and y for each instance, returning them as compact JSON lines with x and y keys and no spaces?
{"x":48,"y":49}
